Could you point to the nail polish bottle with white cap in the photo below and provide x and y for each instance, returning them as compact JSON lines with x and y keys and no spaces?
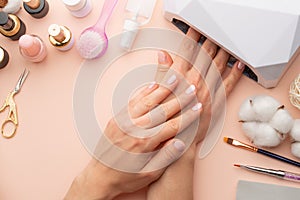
{"x":138,"y":14}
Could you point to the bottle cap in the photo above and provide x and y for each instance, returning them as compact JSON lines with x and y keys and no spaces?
{"x":3,"y":18}
{"x":3,"y":3}
{"x":26,"y":41}
{"x":74,"y":5}
{"x":33,"y":4}
{"x":56,"y":32}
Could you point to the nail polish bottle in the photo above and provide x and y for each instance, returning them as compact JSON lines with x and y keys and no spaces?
{"x":60,"y":37}
{"x":36,"y":8}
{"x":4,"y":58}
{"x":11,"y":26}
{"x":78,"y":8}
{"x":137,"y":13}
{"x":32,"y":48}
{"x":10,"y":6}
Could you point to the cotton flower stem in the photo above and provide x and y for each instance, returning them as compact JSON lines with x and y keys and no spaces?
{"x":251,"y":102}
{"x":281,"y":107}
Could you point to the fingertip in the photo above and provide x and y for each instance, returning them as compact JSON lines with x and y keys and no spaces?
{"x":240,"y":65}
{"x":164,"y":58}
{"x":152,"y":85}
{"x":238,"y":68}
{"x":197,"y":107}
{"x":148,"y":89}
{"x":192,"y":33}
{"x":179,"y":145}
{"x":234,"y":76}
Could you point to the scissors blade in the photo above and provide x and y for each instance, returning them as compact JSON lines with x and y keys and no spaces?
{"x":21,"y":80}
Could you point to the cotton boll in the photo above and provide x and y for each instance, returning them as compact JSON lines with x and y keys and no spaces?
{"x":295,"y":149}
{"x":282,"y":121}
{"x":265,"y":122}
{"x":262,"y":134}
{"x":246,"y":112}
{"x":295,"y":134}
{"x":265,"y":107}
{"x":295,"y":131}
{"x":250,"y":129}
{"x":267,"y":136}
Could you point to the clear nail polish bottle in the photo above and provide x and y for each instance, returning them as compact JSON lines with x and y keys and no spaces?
{"x":138,"y":13}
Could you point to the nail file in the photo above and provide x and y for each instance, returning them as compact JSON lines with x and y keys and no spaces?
{"x":248,"y":190}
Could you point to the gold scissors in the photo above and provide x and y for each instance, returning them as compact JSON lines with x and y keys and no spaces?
{"x":12,"y":116}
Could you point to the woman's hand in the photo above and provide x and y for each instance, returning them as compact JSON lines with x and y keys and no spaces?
{"x":207,"y":71}
{"x":138,"y":144}
{"x":214,"y":83}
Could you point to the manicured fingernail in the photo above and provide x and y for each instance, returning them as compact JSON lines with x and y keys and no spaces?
{"x":197,"y":107}
{"x":162,"y":58}
{"x":241,"y":65}
{"x":179,"y":145}
{"x":152,"y":84}
{"x":171,"y":80}
{"x":190,"y":89}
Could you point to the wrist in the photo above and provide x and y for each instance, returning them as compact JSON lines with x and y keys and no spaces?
{"x":80,"y":190}
{"x":91,"y":184}
{"x":190,"y":154}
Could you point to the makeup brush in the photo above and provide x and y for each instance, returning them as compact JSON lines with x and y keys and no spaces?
{"x":248,"y":147}
{"x":93,"y":41}
{"x":272,"y":172}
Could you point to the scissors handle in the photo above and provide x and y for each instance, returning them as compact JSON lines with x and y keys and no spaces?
{"x":10,"y":134}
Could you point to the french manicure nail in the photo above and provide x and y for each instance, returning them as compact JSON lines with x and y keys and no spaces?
{"x":179,"y":145}
{"x":241,"y":65}
{"x":152,"y":84}
{"x":171,"y":80}
{"x":162,"y":58}
{"x":197,"y":107}
{"x":190,"y":89}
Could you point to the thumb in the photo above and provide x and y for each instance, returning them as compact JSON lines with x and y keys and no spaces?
{"x":164,"y":63}
{"x":168,"y":154}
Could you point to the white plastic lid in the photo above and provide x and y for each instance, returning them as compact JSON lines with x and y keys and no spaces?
{"x":74,"y":5}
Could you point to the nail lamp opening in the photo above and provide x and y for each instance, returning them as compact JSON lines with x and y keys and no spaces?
{"x":264,"y":34}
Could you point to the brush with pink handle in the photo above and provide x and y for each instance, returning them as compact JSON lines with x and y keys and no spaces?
{"x":93,"y":41}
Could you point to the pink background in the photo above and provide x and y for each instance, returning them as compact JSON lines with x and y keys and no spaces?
{"x":46,"y":153}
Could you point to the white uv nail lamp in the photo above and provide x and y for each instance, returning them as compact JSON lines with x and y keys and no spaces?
{"x":264,"y":34}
